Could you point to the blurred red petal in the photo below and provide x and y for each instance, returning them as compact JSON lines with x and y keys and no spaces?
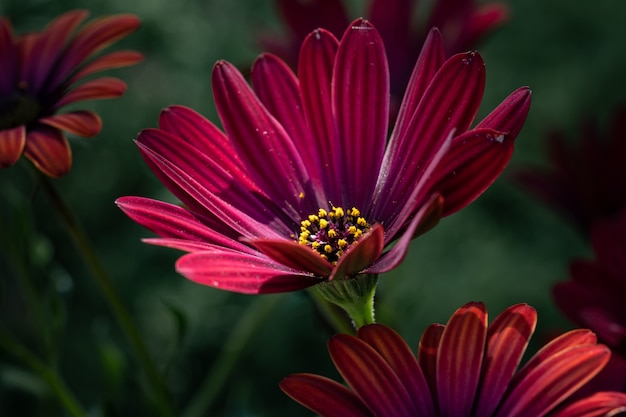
{"x":49,"y":150}
{"x":112,"y":60}
{"x":12,"y":143}
{"x":81,"y":123}
{"x":101,"y":88}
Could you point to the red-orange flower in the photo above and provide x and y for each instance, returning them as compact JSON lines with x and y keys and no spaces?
{"x":465,"y":368}
{"x":42,"y":72}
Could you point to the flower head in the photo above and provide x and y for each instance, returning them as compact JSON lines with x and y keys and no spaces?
{"x":586,"y":181}
{"x":465,"y":368}
{"x":462,"y":23}
{"x":303,"y":186}
{"x":42,"y":72}
{"x":594,"y":297}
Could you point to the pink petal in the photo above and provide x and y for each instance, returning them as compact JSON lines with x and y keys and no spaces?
{"x":185,"y":245}
{"x":370,"y":376}
{"x":294,"y":255}
{"x":48,"y":47}
{"x":315,"y":69}
{"x":49,"y":150}
{"x":324,"y":396}
{"x":112,"y":60}
{"x":361,"y":106}
{"x":81,"y":123}
{"x":242,"y":273}
{"x":170,"y":221}
{"x":361,"y":254}
{"x":391,"y":259}
{"x":8,"y":57}
{"x":189,"y":125}
{"x":95,"y":36}
{"x":507,"y":339}
{"x":510,"y":115}
{"x":398,"y":355}
{"x":205,"y":186}
{"x":427,"y":353}
{"x":100,"y":88}
{"x":600,"y":404}
{"x":12,"y":142}
{"x":460,"y":359}
{"x":279,"y":91}
{"x":268,"y":153}
{"x":554,"y":379}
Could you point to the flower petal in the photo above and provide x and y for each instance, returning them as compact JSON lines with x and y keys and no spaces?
{"x":460,"y":359}
{"x":12,"y":142}
{"x":8,"y":57}
{"x":242,"y":273}
{"x":398,"y":355}
{"x":599,"y":404}
{"x":361,"y":254}
{"x":100,"y":88}
{"x":49,"y":150}
{"x":294,"y":255}
{"x":427,"y":353}
{"x":304,"y":16}
{"x":361,"y":107}
{"x":507,"y":339}
{"x":315,"y":69}
{"x":474,"y":161}
{"x":112,"y":60}
{"x":449,"y":104}
{"x":323,"y":396}
{"x":510,"y":115}
{"x":81,"y":123}
{"x":554,"y":379}
{"x":370,"y":376}
{"x":279,"y":91}
{"x":429,"y":213}
{"x":170,"y":221}
{"x":261,"y":142}
{"x":206,"y":187}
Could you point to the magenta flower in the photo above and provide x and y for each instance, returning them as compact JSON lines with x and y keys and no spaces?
{"x":42,"y":72}
{"x":465,"y":368}
{"x":587,"y":181}
{"x":462,"y":23}
{"x":594,"y":297}
{"x":303,"y":186}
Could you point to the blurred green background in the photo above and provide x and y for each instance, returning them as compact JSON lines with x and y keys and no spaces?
{"x":503,"y":249}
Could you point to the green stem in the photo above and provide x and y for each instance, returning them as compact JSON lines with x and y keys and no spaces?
{"x":108,"y":290}
{"x":354,"y":295}
{"x":335,"y":316}
{"x":202,"y":401}
{"x":54,"y":381}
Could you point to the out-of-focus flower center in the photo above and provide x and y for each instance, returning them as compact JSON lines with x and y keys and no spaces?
{"x":330,"y":233}
{"x":18,"y":109}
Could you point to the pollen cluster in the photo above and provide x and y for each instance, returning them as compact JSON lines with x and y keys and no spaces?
{"x":330,"y":233}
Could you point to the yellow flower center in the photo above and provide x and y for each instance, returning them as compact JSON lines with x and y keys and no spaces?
{"x":330,"y":233}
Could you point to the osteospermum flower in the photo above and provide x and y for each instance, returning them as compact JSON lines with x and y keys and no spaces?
{"x":462,"y":23}
{"x":43,"y":72}
{"x":465,"y":368}
{"x":594,"y":296}
{"x":584,"y":181}
{"x":303,"y":186}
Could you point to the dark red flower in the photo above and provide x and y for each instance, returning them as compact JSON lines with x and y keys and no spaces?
{"x":585,"y":181}
{"x":461,"y":22}
{"x":42,"y":72}
{"x":465,"y":368}
{"x":304,"y":186}
{"x":594,"y":296}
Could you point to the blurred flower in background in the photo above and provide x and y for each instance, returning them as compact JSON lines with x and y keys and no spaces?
{"x":304,"y":187}
{"x":461,"y":22}
{"x":463,"y":368}
{"x":585,"y":181}
{"x":594,"y":296}
{"x":41,"y":73}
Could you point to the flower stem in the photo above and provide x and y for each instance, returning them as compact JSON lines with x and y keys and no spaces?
{"x":105,"y":284}
{"x":54,"y":381}
{"x":354,"y":295}
{"x":335,"y":316}
{"x":202,"y":401}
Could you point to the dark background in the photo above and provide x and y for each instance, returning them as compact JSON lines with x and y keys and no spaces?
{"x":503,"y":249}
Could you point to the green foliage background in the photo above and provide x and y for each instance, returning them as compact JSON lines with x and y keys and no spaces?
{"x":503,"y":249}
